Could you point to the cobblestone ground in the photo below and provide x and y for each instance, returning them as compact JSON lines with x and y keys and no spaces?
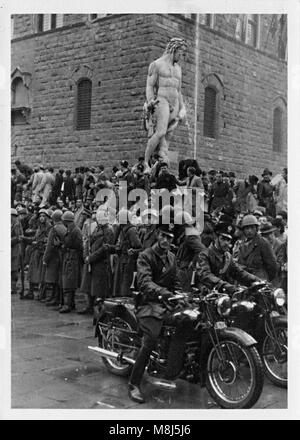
{"x":51,"y":367}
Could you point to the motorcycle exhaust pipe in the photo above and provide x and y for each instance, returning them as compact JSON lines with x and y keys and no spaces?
{"x":112,"y":355}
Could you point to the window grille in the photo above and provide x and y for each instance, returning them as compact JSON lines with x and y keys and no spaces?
{"x":277,"y":129}
{"x":210,"y":112}
{"x":84,"y":101}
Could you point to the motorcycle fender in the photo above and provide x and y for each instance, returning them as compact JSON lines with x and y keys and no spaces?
{"x":279,"y":320}
{"x":237,"y":335}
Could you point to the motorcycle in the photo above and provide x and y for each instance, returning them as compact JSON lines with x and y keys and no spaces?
{"x":222,"y":358}
{"x":259,"y":310}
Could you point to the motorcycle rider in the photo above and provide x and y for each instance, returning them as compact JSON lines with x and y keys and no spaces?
{"x":216,"y":267}
{"x":157,"y":277}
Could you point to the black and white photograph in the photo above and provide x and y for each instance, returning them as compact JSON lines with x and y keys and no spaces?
{"x":149,"y":153}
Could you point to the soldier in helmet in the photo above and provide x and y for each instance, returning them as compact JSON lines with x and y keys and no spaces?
{"x":72,"y":261}
{"x":128,"y":247}
{"x":52,"y":258}
{"x":255,"y":253}
{"x":16,"y":233}
{"x":98,"y":259}
{"x":36,"y":270}
{"x":216,"y":267}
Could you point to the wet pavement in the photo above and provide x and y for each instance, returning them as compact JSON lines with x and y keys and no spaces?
{"x":51,"y":367}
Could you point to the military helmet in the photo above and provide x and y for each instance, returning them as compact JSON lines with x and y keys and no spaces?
{"x":68,"y":216}
{"x":43,"y":211}
{"x":249,"y":220}
{"x":13,"y":211}
{"x":57,"y":215}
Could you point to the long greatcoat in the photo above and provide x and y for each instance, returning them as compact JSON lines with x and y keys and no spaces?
{"x":126,"y":264}
{"x":99,"y":259}
{"x":35,"y":270}
{"x":53,"y":254}
{"x":16,"y":231}
{"x":258,"y":258}
{"x":72,"y":258}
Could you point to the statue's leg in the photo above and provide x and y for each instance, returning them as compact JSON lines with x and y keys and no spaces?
{"x":165,"y":140}
{"x":162,"y":116}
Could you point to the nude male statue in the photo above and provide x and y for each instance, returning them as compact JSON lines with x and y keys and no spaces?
{"x":163,"y":93}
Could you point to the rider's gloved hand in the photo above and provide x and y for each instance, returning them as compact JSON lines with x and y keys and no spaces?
{"x":166,"y":294}
{"x":230,"y":288}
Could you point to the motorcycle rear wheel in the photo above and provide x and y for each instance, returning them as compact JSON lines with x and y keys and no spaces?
{"x":113,"y":338}
{"x":236,"y":381}
{"x":275,"y":358}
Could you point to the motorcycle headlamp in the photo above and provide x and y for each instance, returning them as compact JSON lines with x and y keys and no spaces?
{"x":223,"y":305}
{"x":279,"y":297}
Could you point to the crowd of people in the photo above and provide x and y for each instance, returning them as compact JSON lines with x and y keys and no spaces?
{"x":64,"y":238}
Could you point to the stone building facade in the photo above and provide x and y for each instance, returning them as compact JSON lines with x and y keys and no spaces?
{"x":78,"y":88}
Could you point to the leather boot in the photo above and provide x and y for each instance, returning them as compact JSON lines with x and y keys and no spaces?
{"x":67,"y":308}
{"x":135,"y":394}
{"x":42,"y":294}
{"x":53,"y":300}
{"x":30,"y":294}
{"x":88,"y":310}
{"x":136,"y":376}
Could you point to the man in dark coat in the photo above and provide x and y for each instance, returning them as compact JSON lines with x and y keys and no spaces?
{"x":69,"y":187}
{"x":16,"y":233}
{"x":157,"y":279}
{"x":148,"y":231}
{"x":165,"y":179}
{"x":265,"y":193}
{"x":24,"y":169}
{"x":56,"y":189}
{"x":255,"y":253}
{"x":36,"y":269}
{"x":128,"y":248}
{"x":101,"y":247}
{"x":218,"y":193}
{"x":52,"y":258}
{"x":216,"y":267}
{"x":72,"y":261}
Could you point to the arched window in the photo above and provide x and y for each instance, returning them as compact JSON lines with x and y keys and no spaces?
{"x":277,"y":129}
{"x":19,"y":96}
{"x":209,"y":129}
{"x":83,"y":106}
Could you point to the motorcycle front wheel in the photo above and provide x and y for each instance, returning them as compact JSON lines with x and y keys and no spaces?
{"x":234,"y":375}
{"x":274,"y":356}
{"x":119,"y":341}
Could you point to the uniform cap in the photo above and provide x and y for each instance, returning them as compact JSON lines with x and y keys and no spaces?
{"x":224,"y":229}
{"x":167,"y":229}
